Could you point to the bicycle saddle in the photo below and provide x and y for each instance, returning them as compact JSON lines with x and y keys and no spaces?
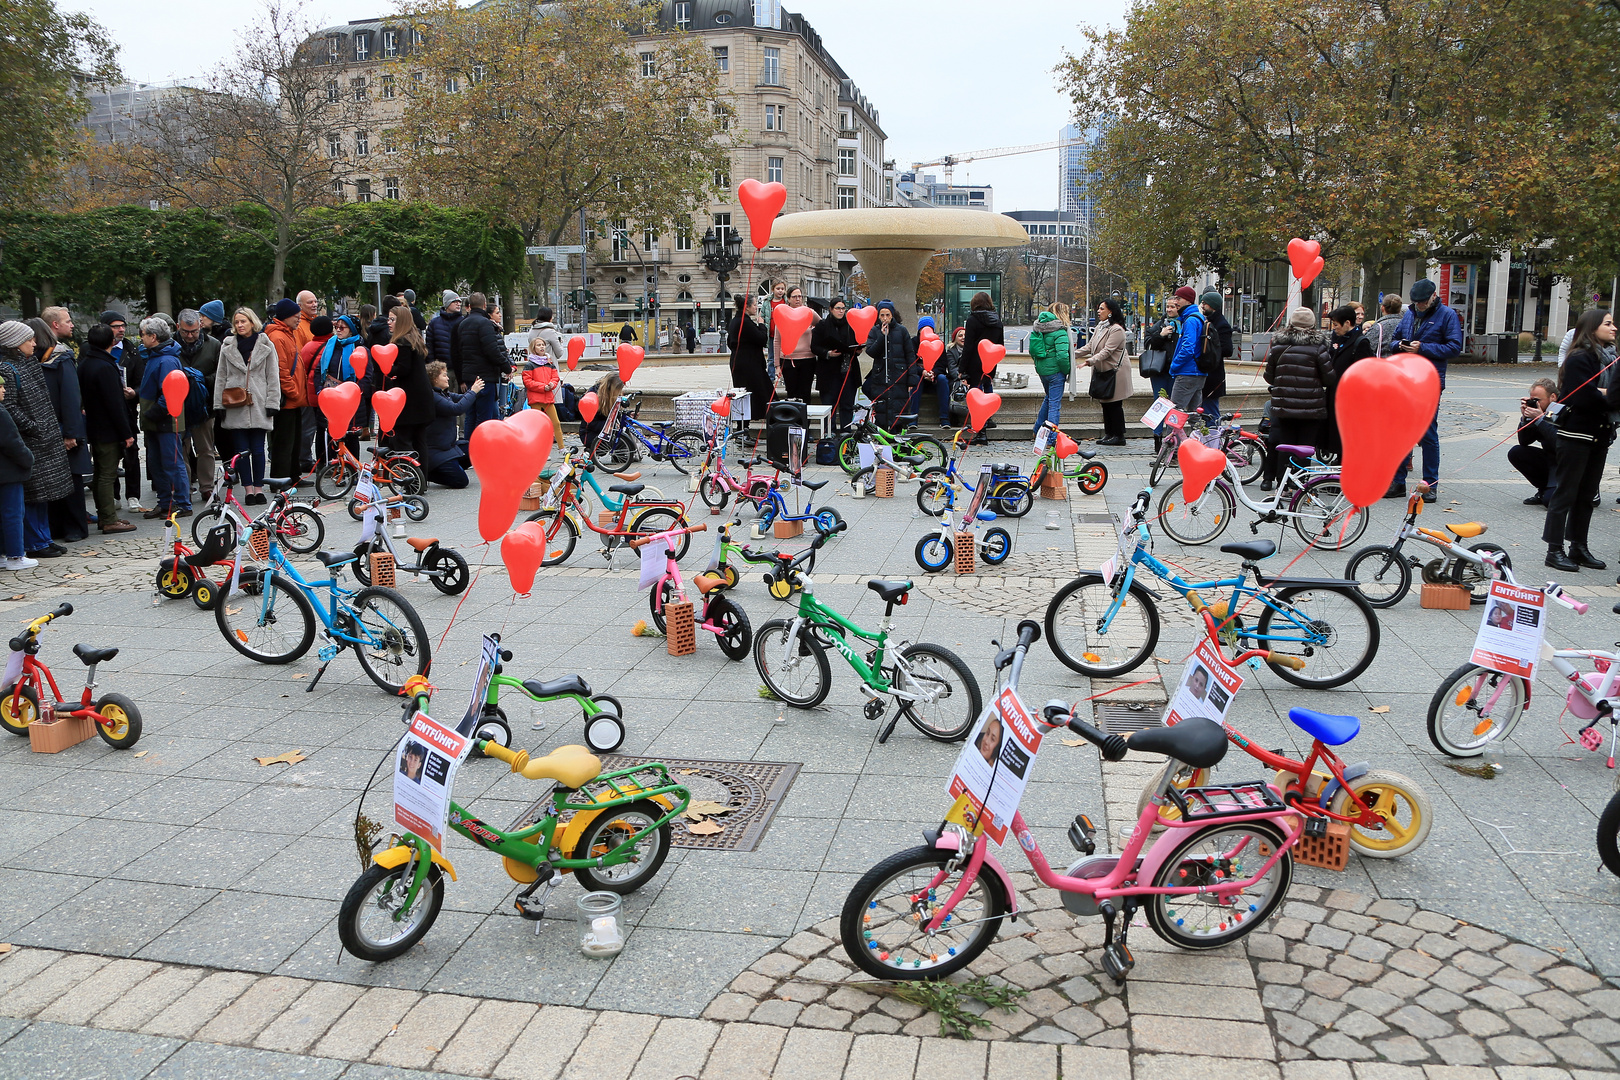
{"x":1294,"y":450}
{"x":707,"y":583}
{"x":1088,"y":454}
{"x":280,"y":483}
{"x":891,"y":591}
{"x":1251,"y":550}
{"x":421,"y":543}
{"x":812,"y":485}
{"x":335,"y":558}
{"x":92,"y":655}
{"x":1331,"y":729}
{"x":558,"y":687}
{"x":627,"y":489}
{"x":1197,"y":741}
{"x":986,"y":515}
{"x":570,"y":766}
{"x":1465,"y":529}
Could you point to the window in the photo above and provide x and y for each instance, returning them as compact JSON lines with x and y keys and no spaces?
{"x":358,"y":89}
{"x":722,"y":178}
{"x":771,"y":73}
{"x":773,"y":170}
{"x":722,"y":58}
{"x":722,"y":228}
{"x":722,"y":18}
{"x":391,"y":187}
{"x":418,"y":77}
{"x":362,"y":143}
{"x":649,"y":241}
{"x":337,"y":190}
{"x":389,"y":146}
{"x":362,"y":190}
{"x":621,"y":241}
{"x":390,"y":44}
{"x":452,"y":85}
{"x":334,"y":146}
{"x":387,"y":87}
{"x":416,"y":37}
{"x":362,"y":47}
{"x":477,"y":74}
{"x":332,"y":90}
{"x":846,"y":121}
{"x":334,"y":49}
{"x":775,"y":118}
{"x":648,"y":67}
{"x":683,"y":238}
{"x":722,"y":116}
{"x":683,"y":16}
{"x":846,"y":162}
{"x":846,"y":198}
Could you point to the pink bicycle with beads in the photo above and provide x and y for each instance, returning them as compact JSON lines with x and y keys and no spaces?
{"x":721,"y":616}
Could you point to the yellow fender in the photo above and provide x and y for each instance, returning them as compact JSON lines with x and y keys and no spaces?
{"x":576,"y":824}
{"x":399,"y":856}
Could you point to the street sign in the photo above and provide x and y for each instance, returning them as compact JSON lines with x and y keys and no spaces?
{"x":555,"y":252}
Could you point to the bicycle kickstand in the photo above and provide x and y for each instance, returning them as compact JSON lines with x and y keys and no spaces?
{"x":535,"y":910}
{"x":328,"y":654}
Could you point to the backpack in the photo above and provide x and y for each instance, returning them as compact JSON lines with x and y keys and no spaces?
{"x":1209,"y":358}
{"x":198,"y":406}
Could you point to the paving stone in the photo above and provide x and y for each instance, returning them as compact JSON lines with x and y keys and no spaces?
{"x":951,"y":1059}
{"x":1266,"y":947}
{"x":544,"y":1046}
{"x":900,"y":1010}
{"x":1311,"y":956}
{"x":1518,"y":1050}
{"x":749,"y":1052}
{"x":149,"y":997}
{"x":1296,"y":1030}
{"x":1459,"y":1050}
{"x":805,"y":1055}
{"x":1022,"y":1061}
{"x":1094,"y":1063}
{"x":1286,"y":974}
{"x":1481,"y":1023}
{"x":1459,"y":1072}
{"x":483,"y":1039}
{"x":1111,"y":1012}
{"x":753,"y":984}
{"x":1517,"y":983}
{"x":1328,"y":937}
{"x":1320,"y":1010}
{"x":730,"y":1007}
{"x":1402,"y":986}
{"x":21,"y":965}
{"x":1494,"y":997}
{"x":1186,"y":1035}
{"x":824,"y":969}
{"x":1322,"y":984}
{"x":1432,"y":922}
{"x":1355,"y":970}
{"x":1371,"y":1000}
{"x":367,"y":1022}
{"x":1391,"y":911}
{"x":1041,"y":1003}
{"x":1525,"y":958}
{"x":1475,"y":938}
{"x":1372,"y":950}
{"x":424,"y":1031}
{"x":1286,"y":998}
{"x":1531,"y":1072}
{"x":1401,"y":1048}
{"x":1337,"y":1045}
{"x":875,"y":1022}
{"x":1345,"y":900}
{"x":1049,"y":1033}
{"x":1356,"y":924}
{"x":852,"y":1000}
{"x":1015,"y":950}
{"x":50,"y":983}
{"x":244,"y":1018}
{"x":1310,"y":913}
{"x":1080,"y":990}
{"x":200,"y":1004}
{"x":1439,"y":945}
{"x":806,"y":945}
{"x":1559,"y":1004}
{"x":1441,"y":1001}
{"x":1383,"y":1070}
{"x":1476,"y":963}
{"x":804,"y":993}
{"x":1292,"y":929}
{"x":1316,"y":1070}
{"x":1577,"y":1051}
{"x":1360,"y":1025}
{"x":777,"y":965}
{"x":1414,"y":964}
{"x":776,"y":1011}
{"x":1536,"y":1023}
{"x":1081,"y":1022}
{"x":1176,"y":1067}
{"x":1458,"y":982}
{"x":91,"y":997}
{"x":1402,"y":937}
{"x":1599,"y":1029}
{"x":1066,"y":965}
{"x":1571,"y":980}
{"x":1028,"y":975}
{"x":822,"y":1016}
{"x":1115,"y":1039}
{"x":1605,"y":1001}
{"x":1418,"y":1021}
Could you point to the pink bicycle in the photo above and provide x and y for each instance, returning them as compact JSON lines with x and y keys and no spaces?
{"x":717,"y":483}
{"x":930,"y":911}
{"x":721,"y":616}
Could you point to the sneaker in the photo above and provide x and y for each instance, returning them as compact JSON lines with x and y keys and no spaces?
{"x":119,"y":526}
{"x":18,"y":562}
{"x":133,"y":504}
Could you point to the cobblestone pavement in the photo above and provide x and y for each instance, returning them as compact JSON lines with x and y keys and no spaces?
{"x":173,"y":914}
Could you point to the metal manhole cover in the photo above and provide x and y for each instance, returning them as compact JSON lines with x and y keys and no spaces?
{"x":1120,"y":719}
{"x":755,"y":788}
{"x":1094,"y":519}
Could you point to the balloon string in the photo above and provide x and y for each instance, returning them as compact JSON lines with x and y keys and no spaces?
{"x":1531,"y":423}
{"x":464,"y":594}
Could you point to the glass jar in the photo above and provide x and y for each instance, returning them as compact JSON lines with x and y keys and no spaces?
{"x":600,"y":933}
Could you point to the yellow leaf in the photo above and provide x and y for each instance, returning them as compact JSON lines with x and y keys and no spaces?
{"x":142,"y":753}
{"x":1072,"y":742}
{"x":291,"y":757}
{"x":1380,"y":708}
{"x":5,"y":947}
{"x":704,"y":828}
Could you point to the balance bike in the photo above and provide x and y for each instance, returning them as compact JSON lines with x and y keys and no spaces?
{"x":117,"y":719}
{"x":604,"y":716}
{"x":181,"y":574}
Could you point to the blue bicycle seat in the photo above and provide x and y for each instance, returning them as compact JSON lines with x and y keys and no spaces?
{"x":1331,"y":729}
{"x":986,"y":515}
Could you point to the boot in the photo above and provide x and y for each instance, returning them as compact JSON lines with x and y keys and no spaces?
{"x":1579,"y":555}
{"x":1559,"y":561}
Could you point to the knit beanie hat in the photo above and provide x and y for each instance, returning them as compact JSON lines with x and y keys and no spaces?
{"x":450,"y":297}
{"x":14,"y":333}
{"x":286,"y":308}
{"x":1302,"y":318}
{"x":1186,"y":295}
{"x":926,"y":320}
{"x":321,"y":326}
{"x":215,"y":310}
{"x":1212,"y":300}
{"x":110,"y":317}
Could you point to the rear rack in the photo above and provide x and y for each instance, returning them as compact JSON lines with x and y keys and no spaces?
{"x":1225,"y":800}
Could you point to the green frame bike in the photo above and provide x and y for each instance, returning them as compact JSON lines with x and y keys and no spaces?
{"x":604,"y":715}
{"x":928,"y":451}
{"x":929,"y":682}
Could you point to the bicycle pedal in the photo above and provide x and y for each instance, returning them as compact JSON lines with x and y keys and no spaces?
{"x":1082,"y":834}
{"x":1316,"y":827}
{"x":874,"y":708}
{"x":1117,"y":961}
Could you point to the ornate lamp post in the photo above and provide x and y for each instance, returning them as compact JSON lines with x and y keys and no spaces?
{"x":722,"y":257}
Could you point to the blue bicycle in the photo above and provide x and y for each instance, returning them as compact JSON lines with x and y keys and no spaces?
{"x":1106,"y":623}
{"x":773,"y":507}
{"x":1009,"y":492}
{"x":624,"y":437}
{"x":268,"y":614}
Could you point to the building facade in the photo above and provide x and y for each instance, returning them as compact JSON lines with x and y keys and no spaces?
{"x":1075,"y":180}
{"x":926,"y":189}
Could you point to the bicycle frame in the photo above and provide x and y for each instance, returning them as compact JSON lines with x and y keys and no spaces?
{"x":834,"y":627}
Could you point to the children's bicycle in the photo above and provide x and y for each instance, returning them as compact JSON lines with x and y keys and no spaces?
{"x":721,"y":615}
{"x":716,"y":483}
{"x":604,"y":715}
{"x":728,"y":553}
{"x":930,"y":911}
{"x":1308,"y":498}
{"x":118,"y":721}
{"x":397,"y":470}
{"x":269,"y":615}
{"x":931,"y":685}
{"x":611,"y":829}
{"x":773,"y":507}
{"x":1010,"y":492}
{"x":924,"y":449}
{"x":1081,"y":467}
{"x":624,"y":437}
{"x":1384,"y":573}
{"x":936,"y":549}
{"x":634,"y":517}
{"x":583,"y":473}
{"x":301,"y":529}
{"x":185,"y":572}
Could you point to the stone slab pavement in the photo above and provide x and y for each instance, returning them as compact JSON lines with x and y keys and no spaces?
{"x":194,"y":859}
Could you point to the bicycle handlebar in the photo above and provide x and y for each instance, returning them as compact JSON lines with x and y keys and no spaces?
{"x":1113,"y":747}
{"x":21,"y":640}
{"x":643,"y":541}
{"x":1556,"y":591}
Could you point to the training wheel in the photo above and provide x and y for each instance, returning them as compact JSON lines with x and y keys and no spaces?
{"x":604,"y":733}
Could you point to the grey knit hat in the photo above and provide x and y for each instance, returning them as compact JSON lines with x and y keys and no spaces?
{"x":450,"y":297}
{"x":14,"y":333}
{"x":1302,"y":318}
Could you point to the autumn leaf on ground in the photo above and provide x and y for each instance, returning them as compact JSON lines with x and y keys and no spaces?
{"x":702,"y":808}
{"x":686,"y":772}
{"x":1072,"y":742}
{"x":5,"y":947}
{"x":704,"y":828}
{"x":142,"y":753}
{"x":1380,"y":708}
{"x":19,"y":596}
{"x":301,"y":675}
{"x":232,"y":610}
{"x":291,"y":757}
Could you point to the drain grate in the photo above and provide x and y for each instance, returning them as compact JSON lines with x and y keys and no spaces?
{"x":1094,"y":519}
{"x":755,"y":788}
{"x":1121,"y":719}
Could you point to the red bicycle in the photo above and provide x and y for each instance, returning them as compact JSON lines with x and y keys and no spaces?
{"x":117,"y":719}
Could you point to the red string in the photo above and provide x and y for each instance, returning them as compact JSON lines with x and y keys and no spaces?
{"x":464,"y":594}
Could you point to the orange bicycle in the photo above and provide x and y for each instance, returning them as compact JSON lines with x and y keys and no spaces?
{"x":398,"y":469}
{"x":634,"y":518}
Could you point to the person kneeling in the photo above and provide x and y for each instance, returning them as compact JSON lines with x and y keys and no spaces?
{"x":1536,"y":454}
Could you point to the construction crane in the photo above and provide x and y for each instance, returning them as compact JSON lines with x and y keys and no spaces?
{"x":950,"y":161}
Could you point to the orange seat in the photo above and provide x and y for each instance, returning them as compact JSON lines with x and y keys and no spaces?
{"x":1466,"y":529}
{"x":629,"y":477}
{"x":707,"y":583}
{"x":422,"y":543}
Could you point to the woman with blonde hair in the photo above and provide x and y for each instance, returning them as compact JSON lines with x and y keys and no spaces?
{"x":409,"y":373}
{"x":247,"y":394}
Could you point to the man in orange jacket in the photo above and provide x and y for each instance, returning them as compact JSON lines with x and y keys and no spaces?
{"x":281,"y":329}
{"x":308,"y":307}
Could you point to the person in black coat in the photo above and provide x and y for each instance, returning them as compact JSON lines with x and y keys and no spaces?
{"x":1215,"y":381}
{"x":838,"y":362}
{"x":409,"y":373}
{"x":106,"y":424}
{"x":444,"y":459}
{"x":480,"y":353}
{"x":1347,"y":345}
{"x":1535,"y":456}
{"x":895,"y":370}
{"x":747,"y":338}
{"x":1584,"y":435}
{"x":690,"y":332}
{"x":16,"y":462}
{"x":983,"y":324}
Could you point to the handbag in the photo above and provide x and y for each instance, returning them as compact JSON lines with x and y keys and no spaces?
{"x":1154,"y":364}
{"x":1102,"y":383}
{"x":235,"y":397}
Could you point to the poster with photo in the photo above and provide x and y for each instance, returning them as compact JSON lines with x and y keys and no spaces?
{"x":1156,"y":412}
{"x":425,"y":764}
{"x":1510,"y":631}
{"x":1207,"y":688}
{"x":993,"y":768}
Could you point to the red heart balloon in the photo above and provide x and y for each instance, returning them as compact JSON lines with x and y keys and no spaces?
{"x":929,"y":351}
{"x":981,"y":407}
{"x":389,"y":404}
{"x":927,"y":334}
{"x":1199,"y":465}
{"x":175,"y":388}
{"x":522,"y":550}
{"x":861,"y":320}
{"x":791,"y":323}
{"x":629,"y":359}
{"x":990,"y":355}
{"x":338,"y":404}
{"x":1064,"y":445}
{"x":721,"y":406}
{"x":357,"y":361}
{"x":1384,"y":406}
{"x":761,"y":202}
{"x":1305,"y":257}
{"x":536,"y":424}
{"x":507,"y":457}
{"x":588,"y":405}
{"x":384,"y":356}
{"x":576,"y":349}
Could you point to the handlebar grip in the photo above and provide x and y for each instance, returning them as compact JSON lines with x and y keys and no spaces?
{"x":702,"y":526}
{"x":1029,"y":632}
{"x":1113,"y":747}
{"x":63,"y":609}
{"x":496,"y":750}
{"x":18,"y":644}
{"x":1295,"y":662}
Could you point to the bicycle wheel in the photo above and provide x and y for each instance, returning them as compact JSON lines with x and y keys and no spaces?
{"x":1092,"y":479}
{"x":205,"y":521}
{"x":881,"y":926}
{"x":362,"y":561}
{"x":301,"y":531}
{"x":1325,"y":516}
{"x":1212,"y":857}
{"x":273,"y":624}
{"x":560,"y":536}
{"x":123,"y":727}
{"x":1333,"y":629}
{"x":1161,"y":461}
{"x":612,"y":829}
{"x":1381,"y":574}
{"x":415,"y":507}
{"x":613,"y":453}
{"x":996,"y":547}
{"x":736,"y":637}
{"x":452,"y":570}
{"x":658,"y":601}
{"x":368,"y":922}
{"x":175,"y":579}
{"x":685,"y":449}
{"x":1608,"y":838}
{"x":934,"y":552}
{"x":404,"y":478}
{"x":1478,"y":578}
{"x":1015,"y":498}
{"x":1076,"y":634}
{"x":799,"y":675}
{"x":663,"y":519}
{"x":1401,"y":804}
{"x":335,"y":480}
{"x":947,"y":695}
{"x":393,"y":643}
{"x":827,"y":520}
{"x":1248,"y":458}
{"x":18,"y":709}
{"x":932,"y":451}
{"x":713,"y":492}
{"x":934,"y":492}
{"x":1474,"y":707}
{"x":1198,"y":522}
{"x":849,"y":455}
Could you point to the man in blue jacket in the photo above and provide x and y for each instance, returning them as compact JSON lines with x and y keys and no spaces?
{"x":1187,"y":379}
{"x":1433,"y":331}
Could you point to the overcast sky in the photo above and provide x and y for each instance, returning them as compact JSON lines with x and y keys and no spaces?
{"x":947,"y":77}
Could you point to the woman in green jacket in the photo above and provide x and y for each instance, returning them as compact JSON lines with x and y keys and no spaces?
{"x":1049,"y":348}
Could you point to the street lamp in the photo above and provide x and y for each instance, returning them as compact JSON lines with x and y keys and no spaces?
{"x":722,"y":257}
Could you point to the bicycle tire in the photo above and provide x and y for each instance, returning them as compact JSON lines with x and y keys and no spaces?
{"x":997,"y":545}
{"x":1161,"y":461}
{"x":1179,"y":870}
{"x":1314,"y":651}
{"x":1375,"y":565}
{"x":1248,"y":458}
{"x":933,"y":552}
{"x":1608,"y":838}
{"x":1073,"y":654}
{"x":1017,"y":504}
{"x":456,"y":573}
{"x":876,"y":926}
{"x":687,"y":448}
{"x":415,"y":507}
{"x":933,"y":451}
{"x":405,"y":479}
{"x":658,"y":601}
{"x":205,"y":521}
{"x":305,"y":539}
{"x":362,"y":560}
{"x":596,"y":840}
{"x":613,"y":453}
{"x":559,"y":545}
{"x":827,"y":520}
{"x":1186,"y":529}
{"x":1342,"y":522}
{"x":361,"y":900}
{"x":849,"y":455}
{"x":770,"y":643}
{"x":123,"y":727}
{"x":1478,"y":733}
{"x":398,"y":645}
{"x":1468,"y":574}
{"x":1092,"y":479}
{"x":738,"y":637}
{"x":284,"y":597}
{"x":948,"y":730}
{"x":713,"y":492}
{"x":335,"y":480}
{"x":662,"y":519}
{"x":934,"y":492}
{"x":1386,"y":791}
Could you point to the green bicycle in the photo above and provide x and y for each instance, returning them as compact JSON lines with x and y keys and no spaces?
{"x":934,"y":689}
{"x":604,"y":715}
{"x":925,"y":450}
